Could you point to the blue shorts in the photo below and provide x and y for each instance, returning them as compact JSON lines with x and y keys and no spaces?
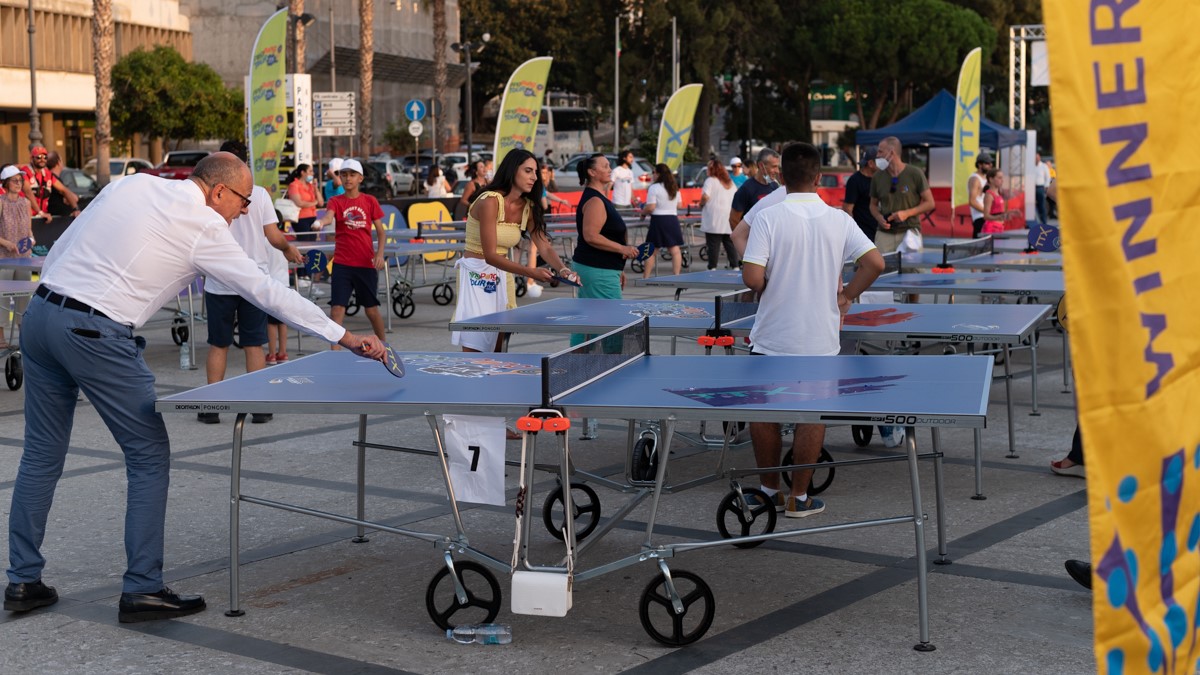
{"x":363,"y":281}
{"x":226,"y":310}
{"x":664,"y":231}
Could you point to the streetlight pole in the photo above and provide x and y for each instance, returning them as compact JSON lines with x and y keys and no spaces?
{"x":465,"y":48}
{"x":35,"y":124}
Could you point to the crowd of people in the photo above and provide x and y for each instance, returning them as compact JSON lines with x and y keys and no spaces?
{"x":767,"y":219}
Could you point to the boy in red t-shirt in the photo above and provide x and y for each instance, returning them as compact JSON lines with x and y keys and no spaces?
{"x":356,"y":263}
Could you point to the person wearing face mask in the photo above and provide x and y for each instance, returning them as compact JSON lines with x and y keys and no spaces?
{"x":900,"y":195}
{"x":78,"y":335}
{"x":763,"y":183}
{"x":302,"y":190}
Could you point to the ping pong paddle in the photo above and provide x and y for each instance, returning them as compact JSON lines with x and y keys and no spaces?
{"x":645,"y":250}
{"x":570,"y":281}
{"x":25,"y":245}
{"x":394,"y":364}
{"x":317,"y":261}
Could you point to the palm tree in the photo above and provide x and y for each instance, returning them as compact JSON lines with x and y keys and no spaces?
{"x":366,"y":65}
{"x":102,"y":49}
{"x":439,"y":60}
{"x":296,"y":8}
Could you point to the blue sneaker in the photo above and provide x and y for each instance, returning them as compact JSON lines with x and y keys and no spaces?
{"x":778,"y":498}
{"x":893,"y":437}
{"x":808,"y":508}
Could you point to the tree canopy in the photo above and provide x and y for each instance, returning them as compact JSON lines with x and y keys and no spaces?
{"x":159,"y":94}
{"x":766,"y":55}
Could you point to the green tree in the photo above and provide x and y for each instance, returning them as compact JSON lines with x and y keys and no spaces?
{"x":159,"y":94}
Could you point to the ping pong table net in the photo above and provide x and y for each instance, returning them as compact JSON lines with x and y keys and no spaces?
{"x":971,"y":248}
{"x":571,"y":369}
{"x":733,"y":307}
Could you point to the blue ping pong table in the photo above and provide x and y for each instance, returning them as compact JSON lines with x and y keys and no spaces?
{"x":929,"y":258}
{"x":1008,"y":326}
{"x":913,"y":391}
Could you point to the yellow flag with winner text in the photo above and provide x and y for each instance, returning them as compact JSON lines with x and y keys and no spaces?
{"x":521,"y":106}
{"x":1124,"y":107}
{"x":967,"y":116}
{"x":676,"y":127}
{"x":266,"y":102}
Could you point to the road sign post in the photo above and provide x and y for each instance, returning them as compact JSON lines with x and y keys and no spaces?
{"x":414,"y":110}
{"x":335,"y":113}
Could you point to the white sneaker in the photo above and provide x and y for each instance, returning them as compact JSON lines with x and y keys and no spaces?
{"x":317,"y":292}
{"x":893,"y":437}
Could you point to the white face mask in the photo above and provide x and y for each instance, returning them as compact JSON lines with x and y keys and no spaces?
{"x":881,"y":164}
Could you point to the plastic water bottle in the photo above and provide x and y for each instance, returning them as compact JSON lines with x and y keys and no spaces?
{"x":185,"y":356}
{"x":481,"y":633}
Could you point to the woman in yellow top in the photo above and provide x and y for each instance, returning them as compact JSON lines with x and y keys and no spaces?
{"x":506,"y":209}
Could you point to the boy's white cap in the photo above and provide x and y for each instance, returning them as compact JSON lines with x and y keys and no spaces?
{"x":736,"y":161}
{"x":335,"y":164}
{"x":351,"y":165}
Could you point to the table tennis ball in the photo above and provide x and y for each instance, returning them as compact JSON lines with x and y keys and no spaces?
{"x":533,"y":290}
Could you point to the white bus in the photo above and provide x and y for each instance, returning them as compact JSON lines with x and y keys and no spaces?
{"x":564,"y":131}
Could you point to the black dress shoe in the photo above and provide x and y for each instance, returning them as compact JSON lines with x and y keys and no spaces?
{"x":261,"y":418}
{"x":209,"y":418}
{"x":29,"y":595}
{"x":1080,"y":571}
{"x":165,"y":604}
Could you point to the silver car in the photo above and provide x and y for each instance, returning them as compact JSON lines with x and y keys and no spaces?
{"x":400,"y":180}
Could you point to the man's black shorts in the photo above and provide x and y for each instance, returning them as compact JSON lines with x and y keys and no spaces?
{"x":223,"y":309}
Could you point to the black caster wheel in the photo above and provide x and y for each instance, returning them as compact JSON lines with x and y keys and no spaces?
{"x":862,"y":434}
{"x":658,"y":615}
{"x":704,"y":253}
{"x":821,"y":478}
{"x":14,"y":373}
{"x":179,"y":330}
{"x":237,"y":336}
{"x":443,"y":294}
{"x":483,"y":596}
{"x":732,"y":521}
{"x":645,"y":460}
{"x":522,"y":286}
{"x":666,"y":254}
{"x":584,"y":503}
{"x":635,"y":266}
{"x":351,"y":308}
{"x":949,"y":349}
{"x":403,"y":306}
{"x":686,"y":261}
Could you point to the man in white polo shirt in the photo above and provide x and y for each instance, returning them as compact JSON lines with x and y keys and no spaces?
{"x":132,"y":250}
{"x":794,"y":259}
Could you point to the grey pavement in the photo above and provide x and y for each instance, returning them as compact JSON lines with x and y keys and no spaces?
{"x":317,"y":602}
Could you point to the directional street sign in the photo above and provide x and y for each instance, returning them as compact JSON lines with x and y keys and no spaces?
{"x":414,"y":110}
{"x":415,"y":128}
{"x":335,"y":113}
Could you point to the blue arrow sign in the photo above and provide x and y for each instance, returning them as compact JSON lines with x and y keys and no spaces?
{"x":414,"y":110}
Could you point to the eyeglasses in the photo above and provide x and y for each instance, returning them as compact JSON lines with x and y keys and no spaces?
{"x":245,"y":199}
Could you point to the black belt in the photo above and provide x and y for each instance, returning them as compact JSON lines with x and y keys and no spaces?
{"x":69,"y":303}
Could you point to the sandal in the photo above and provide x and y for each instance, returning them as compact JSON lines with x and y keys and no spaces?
{"x":1059,"y":467}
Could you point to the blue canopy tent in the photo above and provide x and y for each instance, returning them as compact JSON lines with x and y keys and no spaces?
{"x":933,"y":125}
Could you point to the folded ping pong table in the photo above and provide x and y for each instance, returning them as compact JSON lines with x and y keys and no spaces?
{"x":912,"y":391}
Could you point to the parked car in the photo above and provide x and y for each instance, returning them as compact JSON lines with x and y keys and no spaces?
{"x":83,"y":185}
{"x":402,"y":181}
{"x":832,"y":187}
{"x":567,"y":176}
{"x":119,"y":167}
{"x":178,"y":165}
{"x":418,"y":166}
{"x":692,"y":174}
{"x":375,"y":183}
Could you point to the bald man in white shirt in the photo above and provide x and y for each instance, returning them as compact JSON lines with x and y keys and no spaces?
{"x":134,"y":248}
